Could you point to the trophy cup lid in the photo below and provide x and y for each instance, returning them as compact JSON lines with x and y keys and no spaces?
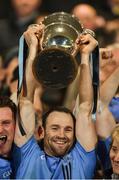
{"x":64,"y":18}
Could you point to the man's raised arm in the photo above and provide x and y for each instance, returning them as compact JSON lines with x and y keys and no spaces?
{"x":26,"y":115}
{"x":85,"y":131}
{"x":105,"y":121}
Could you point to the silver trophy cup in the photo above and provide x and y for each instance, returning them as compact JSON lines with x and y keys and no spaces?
{"x":55,"y":66}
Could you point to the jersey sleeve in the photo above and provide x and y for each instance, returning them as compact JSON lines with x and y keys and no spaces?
{"x":23,"y":155}
{"x":86,"y":160}
{"x":5,"y":169}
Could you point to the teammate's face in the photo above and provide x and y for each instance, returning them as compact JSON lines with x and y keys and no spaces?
{"x":7,"y":129}
{"x":114,"y":156}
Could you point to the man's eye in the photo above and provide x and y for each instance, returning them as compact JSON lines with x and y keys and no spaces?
{"x":68,"y":130}
{"x":54,"y":128}
{"x":6,"y":122}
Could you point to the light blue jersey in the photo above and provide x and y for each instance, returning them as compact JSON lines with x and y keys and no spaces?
{"x":5,"y":169}
{"x":35,"y":164}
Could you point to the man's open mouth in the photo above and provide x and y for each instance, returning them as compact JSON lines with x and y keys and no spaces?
{"x":3,"y":139}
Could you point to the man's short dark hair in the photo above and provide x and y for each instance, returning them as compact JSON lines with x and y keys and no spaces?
{"x":58,"y":109}
{"x":7,"y":102}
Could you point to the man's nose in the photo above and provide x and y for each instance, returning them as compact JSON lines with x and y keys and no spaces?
{"x":61,"y":133}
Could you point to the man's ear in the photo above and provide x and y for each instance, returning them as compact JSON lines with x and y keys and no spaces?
{"x":41,"y":132}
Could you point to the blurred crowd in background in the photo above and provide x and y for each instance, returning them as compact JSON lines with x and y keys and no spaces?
{"x":100,"y":16}
{"x":16,"y":15}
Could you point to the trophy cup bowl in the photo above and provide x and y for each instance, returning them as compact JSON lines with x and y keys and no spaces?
{"x":55,"y":66}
